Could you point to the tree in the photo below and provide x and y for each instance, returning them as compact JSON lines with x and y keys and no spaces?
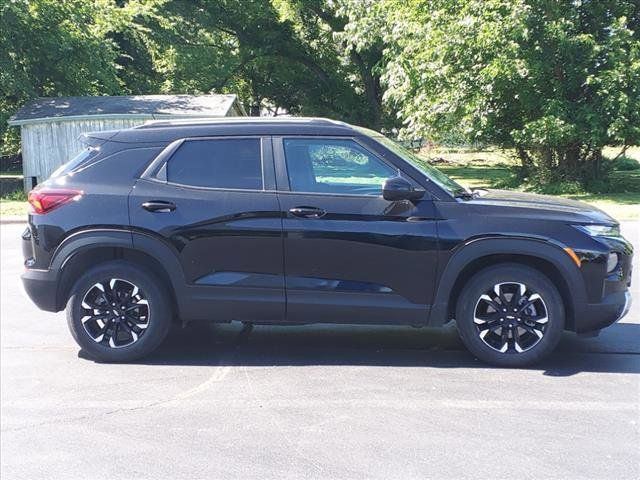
{"x":555,"y":79}
{"x":54,"y":48}
{"x":295,"y":55}
{"x":282,"y":54}
{"x":326,"y":27}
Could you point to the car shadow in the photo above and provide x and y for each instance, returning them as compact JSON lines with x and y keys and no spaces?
{"x":617,"y":350}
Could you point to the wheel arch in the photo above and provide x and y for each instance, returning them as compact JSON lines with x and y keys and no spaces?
{"x":546,"y":257}
{"x":88,"y":248}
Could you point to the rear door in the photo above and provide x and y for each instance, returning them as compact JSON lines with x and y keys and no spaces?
{"x":350,"y":255}
{"x":212,"y":201}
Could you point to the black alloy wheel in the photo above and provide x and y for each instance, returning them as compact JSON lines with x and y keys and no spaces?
{"x":119,"y":311}
{"x":116,"y":313}
{"x":510,"y":315}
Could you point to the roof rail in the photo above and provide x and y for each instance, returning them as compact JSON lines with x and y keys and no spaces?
{"x":235,"y":120}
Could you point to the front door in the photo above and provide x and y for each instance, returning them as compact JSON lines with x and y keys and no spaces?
{"x":212,"y":204}
{"x":350,"y":255}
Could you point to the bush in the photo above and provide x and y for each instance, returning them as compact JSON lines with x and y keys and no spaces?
{"x":560,"y":188}
{"x":17,"y":196}
{"x":626,"y":164}
{"x":602,"y":185}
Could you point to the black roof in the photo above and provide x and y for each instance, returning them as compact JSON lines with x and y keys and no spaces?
{"x":155,"y":132}
{"x":134,"y":105}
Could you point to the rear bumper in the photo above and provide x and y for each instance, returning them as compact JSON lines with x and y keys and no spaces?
{"x":600,"y":315}
{"x":42,"y":288}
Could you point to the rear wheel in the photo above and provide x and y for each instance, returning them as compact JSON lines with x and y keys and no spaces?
{"x":117,"y":312}
{"x":510,"y":315}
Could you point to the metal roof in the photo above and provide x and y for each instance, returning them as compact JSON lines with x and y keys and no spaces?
{"x":138,"y":106}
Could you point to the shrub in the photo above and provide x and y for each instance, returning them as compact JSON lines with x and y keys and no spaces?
{"x":560,"y":188}
{"x":626,"y":164}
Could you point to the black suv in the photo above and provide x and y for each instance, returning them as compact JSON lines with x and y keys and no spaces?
{"x":294,"y":221}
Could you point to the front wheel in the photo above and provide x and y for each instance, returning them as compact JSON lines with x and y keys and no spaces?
{"x":117,"y":312}
{"x":510,"y":315}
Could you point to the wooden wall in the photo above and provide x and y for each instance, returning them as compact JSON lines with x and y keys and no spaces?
{"x":49,"y":144}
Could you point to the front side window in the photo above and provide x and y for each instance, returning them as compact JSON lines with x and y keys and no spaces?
{"x":218,"y":163}
{"x":334,"y":166}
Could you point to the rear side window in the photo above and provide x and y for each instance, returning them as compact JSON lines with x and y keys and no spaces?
{"x":218,"y":163}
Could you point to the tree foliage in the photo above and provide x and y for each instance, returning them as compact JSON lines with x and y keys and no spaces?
{"x":554,"y":79}
{"x":291,"y":55}
{"x":50,"y":48}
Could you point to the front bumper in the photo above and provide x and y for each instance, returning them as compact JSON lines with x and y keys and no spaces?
{"x":600,"y":315}
{"x":627,"y":305}
{"x":608,"y":293}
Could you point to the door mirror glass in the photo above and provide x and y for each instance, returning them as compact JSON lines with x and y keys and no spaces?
{"x":398,"y":188}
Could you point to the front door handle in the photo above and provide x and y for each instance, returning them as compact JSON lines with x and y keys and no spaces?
{"x":159,"y":206}
{"x":307,"y":212}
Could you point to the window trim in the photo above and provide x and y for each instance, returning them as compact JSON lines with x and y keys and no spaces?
{"x":157,"y":169}
{"x":282,"y":173}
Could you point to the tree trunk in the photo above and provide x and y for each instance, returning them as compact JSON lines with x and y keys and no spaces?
{"x":547,"y":158}
{"x":572,"y":159}
{"x":372,"y":91}
{"x":526,"y":162}
{"x":596,"y":161}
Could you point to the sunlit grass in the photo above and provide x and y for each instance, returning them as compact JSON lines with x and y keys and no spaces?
{"x":12,"y":208}
{"x":477,"y":169}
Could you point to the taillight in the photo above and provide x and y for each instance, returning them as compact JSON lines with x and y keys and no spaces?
{"x":44,"y":200}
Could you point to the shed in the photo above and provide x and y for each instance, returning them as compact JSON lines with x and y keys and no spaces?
{"x":50,"y":127}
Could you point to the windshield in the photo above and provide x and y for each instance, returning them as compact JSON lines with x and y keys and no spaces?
{"x":430,"y":172}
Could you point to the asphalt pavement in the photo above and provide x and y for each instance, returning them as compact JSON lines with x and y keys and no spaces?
{"x":311,"y":402}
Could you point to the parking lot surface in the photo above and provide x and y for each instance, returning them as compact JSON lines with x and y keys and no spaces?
{"x":311,"y":402}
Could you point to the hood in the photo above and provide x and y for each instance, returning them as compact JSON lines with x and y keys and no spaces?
{"x":536,"y":203}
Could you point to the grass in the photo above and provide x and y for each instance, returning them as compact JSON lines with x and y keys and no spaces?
{"x":621,"y":206}
{"x":14,"y":204}
{"x":476,"y":169}
{"x":9,"y":208}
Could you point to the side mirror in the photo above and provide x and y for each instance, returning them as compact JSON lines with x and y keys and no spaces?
{"x":398,"y":188}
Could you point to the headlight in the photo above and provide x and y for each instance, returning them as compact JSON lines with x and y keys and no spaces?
{"x":600,"y":230}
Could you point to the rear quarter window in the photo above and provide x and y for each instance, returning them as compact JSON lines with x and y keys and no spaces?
{"x":82,"y":158}
{"x":116,"y":167}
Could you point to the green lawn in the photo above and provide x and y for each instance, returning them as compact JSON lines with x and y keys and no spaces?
{"x":12,"y":208}
{"x":14,"y":204}
{"x":621,"y":206}
{"x":488,"y":168}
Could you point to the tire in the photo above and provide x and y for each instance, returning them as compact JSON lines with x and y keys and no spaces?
{"x":501,"y":335}
{"x":129,"y":303}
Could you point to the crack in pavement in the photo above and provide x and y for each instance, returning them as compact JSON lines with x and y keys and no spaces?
{"x":218,"y":375}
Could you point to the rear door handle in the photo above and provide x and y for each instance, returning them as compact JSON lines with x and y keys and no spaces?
{"x":159,"y":206}
{"x":307,"y":212}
